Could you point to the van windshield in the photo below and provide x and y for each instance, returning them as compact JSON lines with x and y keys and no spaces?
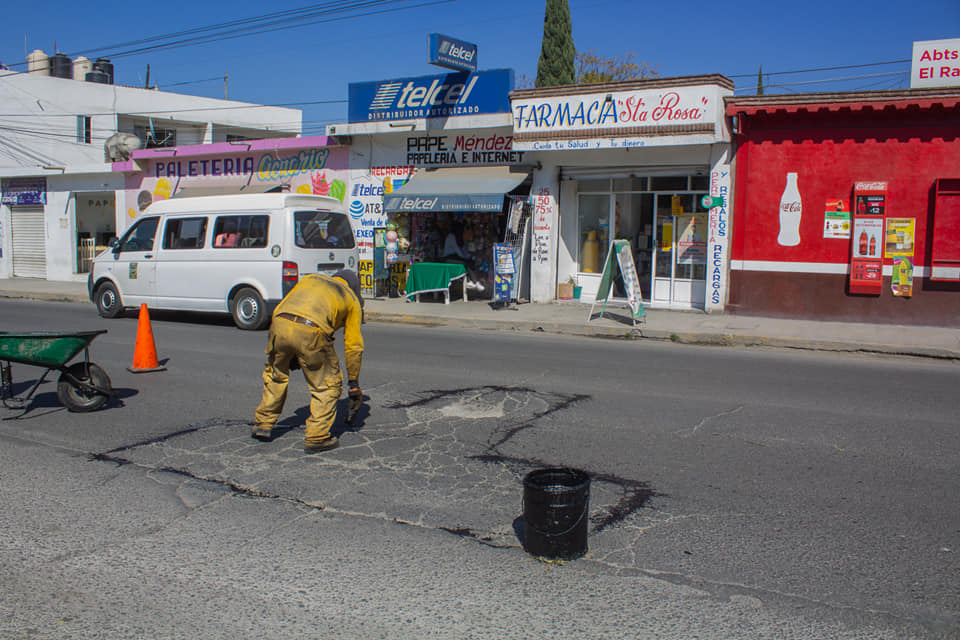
{"x":322,"y":230}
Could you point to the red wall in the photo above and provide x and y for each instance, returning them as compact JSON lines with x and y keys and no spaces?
{"x":831,"y":151}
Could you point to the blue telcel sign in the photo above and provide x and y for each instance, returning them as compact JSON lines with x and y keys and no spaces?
{"x":440,"y":96}
{"x":452,"y":53}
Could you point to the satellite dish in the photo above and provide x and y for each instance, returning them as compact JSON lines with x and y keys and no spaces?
{"x":117,"y":148}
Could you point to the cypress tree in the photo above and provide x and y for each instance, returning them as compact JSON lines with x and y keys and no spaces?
{"x":556,"y":64}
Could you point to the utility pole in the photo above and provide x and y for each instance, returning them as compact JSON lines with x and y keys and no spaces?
{"x":226,"y":76}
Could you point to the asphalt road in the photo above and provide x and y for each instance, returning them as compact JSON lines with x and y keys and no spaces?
{"x":736,"y":493}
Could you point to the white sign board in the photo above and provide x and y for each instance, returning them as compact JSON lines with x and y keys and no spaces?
{"x":613,"y":119}
{"x":936,"y":63}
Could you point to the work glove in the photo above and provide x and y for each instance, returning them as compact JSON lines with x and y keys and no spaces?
{"x":356,"y":399}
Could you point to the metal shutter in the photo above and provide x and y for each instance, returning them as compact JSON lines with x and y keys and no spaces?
{"x":29,"y":242}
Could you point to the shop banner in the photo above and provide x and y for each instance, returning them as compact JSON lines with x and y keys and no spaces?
{"x":439,"y":96}
{"x":618,"y":109}
{"x":503,"y":259}
{"x":365,"y":204}
{"x":615,"y":119}
{"x":935,"y":63}
{"x":866,"y":250}
{"x":900,"y":237}
{"x":902,"y":278}
{"x":836,"y":219}
{"x":452,"y":53}
{"x":30,"y":191}
{"x":717,"y":238}
{"x":308,"y":170}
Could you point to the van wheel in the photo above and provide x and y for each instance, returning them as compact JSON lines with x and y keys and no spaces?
{"x":108,"y":301}
{"x":248,"y":309}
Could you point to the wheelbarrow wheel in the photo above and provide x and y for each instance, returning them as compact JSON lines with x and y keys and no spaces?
{"x":81,"y":399}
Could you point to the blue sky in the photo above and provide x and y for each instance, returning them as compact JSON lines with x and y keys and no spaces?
{"x":316,"y":62}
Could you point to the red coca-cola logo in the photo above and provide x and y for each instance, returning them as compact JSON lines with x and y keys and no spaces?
{"x":790,"y":207}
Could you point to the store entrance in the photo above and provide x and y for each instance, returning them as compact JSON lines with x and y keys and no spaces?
{"x":665,"y":224}
{"x":95,"y":224}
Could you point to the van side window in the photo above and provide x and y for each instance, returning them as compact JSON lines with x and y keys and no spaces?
{"x":322,"y":230}
{"x":185,"y":233}
{"x":248,"y":231}
{"x":140,"y":236}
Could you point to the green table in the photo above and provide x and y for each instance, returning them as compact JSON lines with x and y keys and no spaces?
{"x":427,"y":277}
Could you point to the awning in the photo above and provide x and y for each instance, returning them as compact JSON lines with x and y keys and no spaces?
{"x":472,"y":189}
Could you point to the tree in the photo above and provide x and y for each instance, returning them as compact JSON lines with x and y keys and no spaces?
{"x":593,"y":68}
{"x":557,"y":53}
{"x":760,"y":81}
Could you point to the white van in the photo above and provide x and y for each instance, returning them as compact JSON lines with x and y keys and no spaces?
{"x":238,"y":254}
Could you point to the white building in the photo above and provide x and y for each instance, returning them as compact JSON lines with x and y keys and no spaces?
{"x":57,"y":179}
{"x":625,"y":167}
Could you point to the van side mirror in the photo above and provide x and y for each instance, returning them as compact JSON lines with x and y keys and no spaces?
{"x":114,"y":244}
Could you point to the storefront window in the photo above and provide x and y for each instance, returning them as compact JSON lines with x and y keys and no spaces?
{"x":663,"y":220}
{"x":594,"y":219}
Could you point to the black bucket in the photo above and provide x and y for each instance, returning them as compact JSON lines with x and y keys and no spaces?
{"x":555,"y":513}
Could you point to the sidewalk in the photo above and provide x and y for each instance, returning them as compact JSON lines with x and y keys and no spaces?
{"x":571,"y":318}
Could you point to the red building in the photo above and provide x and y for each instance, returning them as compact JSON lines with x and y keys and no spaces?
{"x":846,"y":206}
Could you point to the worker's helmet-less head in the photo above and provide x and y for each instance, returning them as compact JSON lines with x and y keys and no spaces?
{"x":352,"y":281}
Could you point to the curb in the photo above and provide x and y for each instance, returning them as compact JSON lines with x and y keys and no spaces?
{"x":702,"y":339}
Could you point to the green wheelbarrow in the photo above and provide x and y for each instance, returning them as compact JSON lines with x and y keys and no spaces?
{"x":82,"y":387}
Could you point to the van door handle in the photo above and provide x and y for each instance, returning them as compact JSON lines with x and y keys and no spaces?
{"x":149,"y":255}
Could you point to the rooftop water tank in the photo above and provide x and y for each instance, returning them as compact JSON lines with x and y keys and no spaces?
{"x":105,"y":67}
{"x":81,"y":67}
{"x":97,"y":76}
{"x":61,"y":66}
{"x":38,"y":62}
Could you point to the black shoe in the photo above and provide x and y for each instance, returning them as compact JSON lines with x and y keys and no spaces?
{"x":261,"y":433}
{"x":330,"y":443}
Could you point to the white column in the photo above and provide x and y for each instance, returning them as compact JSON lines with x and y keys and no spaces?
{"x":543,"y":245}
{"x":718,"y":240}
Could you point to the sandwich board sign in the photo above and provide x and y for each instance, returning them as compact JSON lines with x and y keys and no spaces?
{"x":504,"y":269}
{"x":620,"y":257}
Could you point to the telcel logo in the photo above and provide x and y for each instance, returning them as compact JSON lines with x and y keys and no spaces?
{"x":423,"y":204}
{"x":448,"y":48}
{"x":412,"y":95}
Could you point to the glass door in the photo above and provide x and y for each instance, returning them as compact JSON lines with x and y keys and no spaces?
{"x":665,"y":224}
{"x":680,"y":264}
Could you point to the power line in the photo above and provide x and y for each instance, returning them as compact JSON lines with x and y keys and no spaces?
{"x":848,"y":66}
{"x":256,"y":25}
{"x":180,"y":84}
{"x":785,"y":85}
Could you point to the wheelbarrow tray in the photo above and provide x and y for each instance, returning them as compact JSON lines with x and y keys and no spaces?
{"x":44,"y":348}
{"x":83,"y":386}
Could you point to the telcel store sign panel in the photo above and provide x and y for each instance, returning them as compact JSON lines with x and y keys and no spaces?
{"x":441,"y":96}
{"x":452,"y":53}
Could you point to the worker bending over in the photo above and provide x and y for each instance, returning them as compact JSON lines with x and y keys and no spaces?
{"x":302,"y":332}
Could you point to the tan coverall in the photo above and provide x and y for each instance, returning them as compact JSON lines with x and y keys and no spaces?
{"x":329,"y":304}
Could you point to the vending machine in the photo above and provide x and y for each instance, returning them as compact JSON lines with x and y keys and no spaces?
{"x":866,"y":253}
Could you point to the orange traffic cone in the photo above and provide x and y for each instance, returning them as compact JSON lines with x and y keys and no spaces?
{"x":145,"y":353}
